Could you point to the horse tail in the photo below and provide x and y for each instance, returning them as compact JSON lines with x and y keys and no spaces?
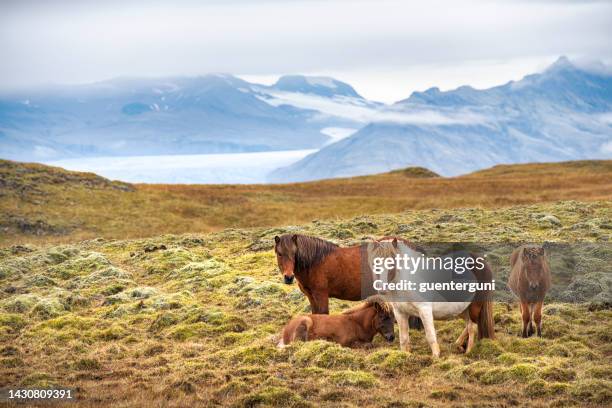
{"x":486,"y":326}
{"x":415,"y":322}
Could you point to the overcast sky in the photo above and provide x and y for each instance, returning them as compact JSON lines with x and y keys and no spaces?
{"x":385,"y":49}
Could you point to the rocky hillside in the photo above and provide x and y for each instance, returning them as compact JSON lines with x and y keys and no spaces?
{"x":179,"y":320}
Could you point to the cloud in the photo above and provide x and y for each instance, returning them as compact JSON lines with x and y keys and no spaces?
{"x":82,"y":41}
{"x":364,"y":112}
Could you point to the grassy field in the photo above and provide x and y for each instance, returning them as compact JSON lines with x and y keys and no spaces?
{"x":160,"y":295}
{"x":49,"y":205}
{"x":180,"y":320}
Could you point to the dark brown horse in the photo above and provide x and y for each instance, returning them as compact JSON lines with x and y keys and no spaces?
{"x":530,"y":279}
{"x":354,"y":327}
{"x":323,"y":270}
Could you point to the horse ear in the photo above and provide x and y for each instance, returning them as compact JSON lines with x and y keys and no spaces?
{"x":394,"y":243}
{"x":294,"y":239}
{"x":277,"y":239}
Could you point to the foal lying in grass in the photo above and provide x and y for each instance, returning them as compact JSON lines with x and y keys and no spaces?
{"x":354,"y":327}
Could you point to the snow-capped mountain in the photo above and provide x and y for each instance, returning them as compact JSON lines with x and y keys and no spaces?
{"x":208,"y":114}
{"x":321,"y":86}
{"x":563,"y":113}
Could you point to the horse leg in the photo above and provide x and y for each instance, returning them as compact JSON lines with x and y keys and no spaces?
{"x":309,"y":297}
{"x":460,"y":342}
{"x":537,"y":317}
{"x":472,"y":329}
{"x":321,"y":302}
{"x":404,"y":333}
{"x":530,"y":329}
{"x":313,"y":305}
{"x":473,"y":315}
{"x":526,"y":317}
{"x":426,"y":315}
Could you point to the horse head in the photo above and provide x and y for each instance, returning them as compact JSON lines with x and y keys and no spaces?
{"x":533,"y":264}
{"x":285,"y":248}
{"x":384,"y":321}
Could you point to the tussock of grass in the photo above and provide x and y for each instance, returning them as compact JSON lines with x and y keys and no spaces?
{"x":350,"y":378}
{"x":272,"y":396}
{"x":556,"y":373}
{"x":597,"y":391}
{"x":87,"y":364}
{"x":486,"y":349}
{"x":396,"y":362}
{"x":324,"y":354}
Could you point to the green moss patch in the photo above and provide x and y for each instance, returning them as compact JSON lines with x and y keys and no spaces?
{"x":596,"y":391}
{"x":324,"y":354}
{"x":272,"y":396}
{"x":350,"y":378}
{"x":485,"y":349}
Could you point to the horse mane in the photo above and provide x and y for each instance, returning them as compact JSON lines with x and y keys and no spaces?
{"x":377,"y":250}
{"x":310,"y":250}
{"x":382,"y":248}
{"x":372,"y":301}
{"x":409,"y":244}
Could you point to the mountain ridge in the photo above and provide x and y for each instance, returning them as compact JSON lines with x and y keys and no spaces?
{"x":557,"y":115}
{"x":214,"y":113}
{"x":562,"y":113}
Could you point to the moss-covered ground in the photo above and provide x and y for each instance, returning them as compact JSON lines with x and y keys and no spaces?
{"x":186,"y":320}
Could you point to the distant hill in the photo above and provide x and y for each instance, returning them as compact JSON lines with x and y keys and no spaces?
{"x":48,"y":204}
{"x":19,"y":178}
{"x":563,"y":113}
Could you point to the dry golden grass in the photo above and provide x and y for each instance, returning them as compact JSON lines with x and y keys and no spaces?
{"x":71,"y":210}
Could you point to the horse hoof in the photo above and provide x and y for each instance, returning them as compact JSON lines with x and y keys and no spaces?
{"x":460,"y":348}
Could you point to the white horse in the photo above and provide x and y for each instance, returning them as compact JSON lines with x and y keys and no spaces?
{"x":477,"y":313}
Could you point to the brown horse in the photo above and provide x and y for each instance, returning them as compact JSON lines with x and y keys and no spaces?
{"x":530,"y":279}
{"x":354,"y":327}
{"x":323,"y":270}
